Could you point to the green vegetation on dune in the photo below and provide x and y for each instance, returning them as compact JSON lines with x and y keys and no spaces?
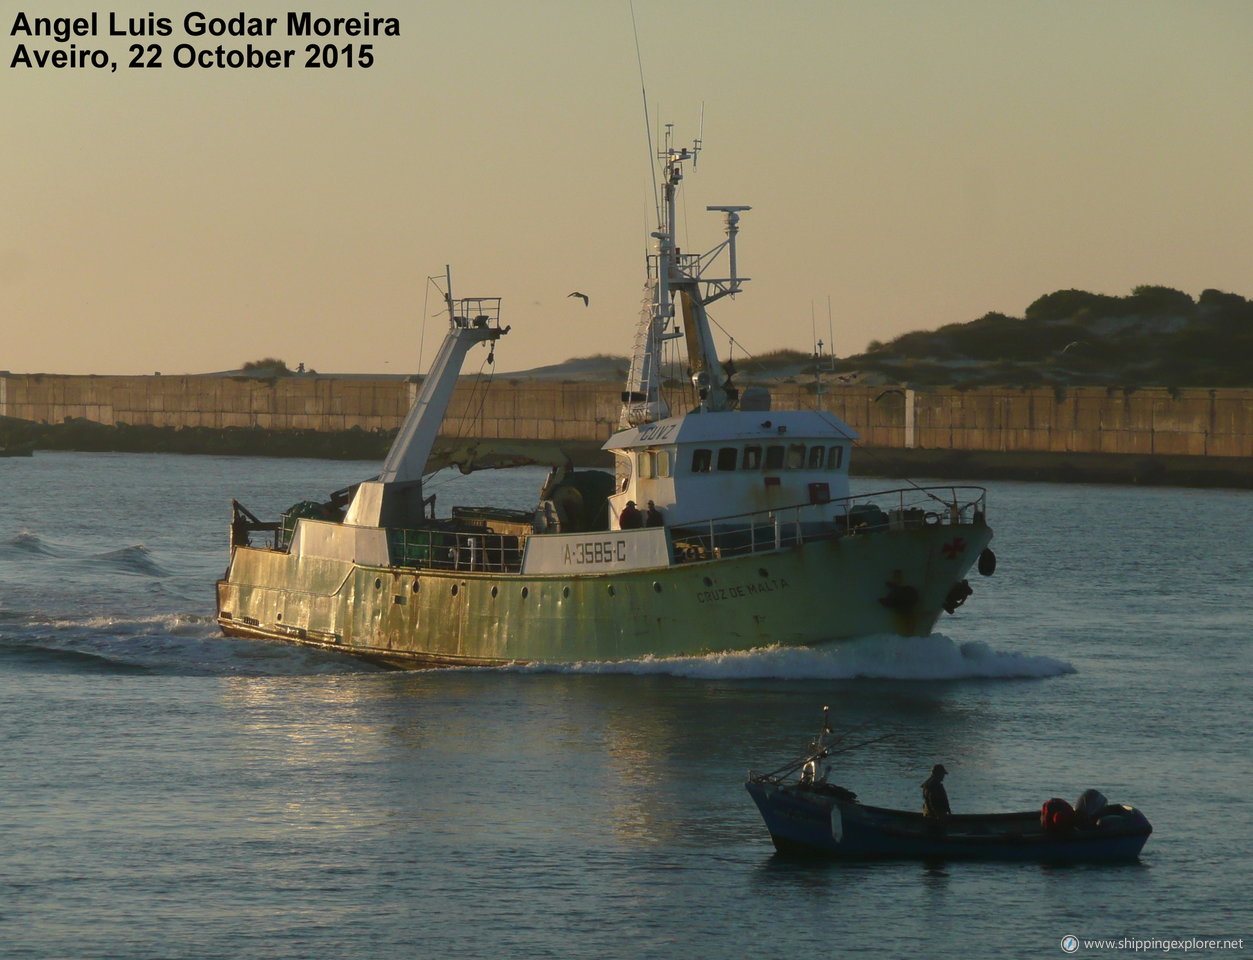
{"x":1155,"y":336}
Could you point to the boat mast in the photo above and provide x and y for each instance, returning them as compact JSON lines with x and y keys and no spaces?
{"x":394,"y":499}
{"x":676,"y":276}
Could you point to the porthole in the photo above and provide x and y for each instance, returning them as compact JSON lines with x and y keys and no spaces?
{"x":565,"y":593}
{"x":611,"y":590}
{"x":378,"y":583}
{"x":417,"y":585}
{"x":494,"y":592}
{"x":763,"y":573}
{"x":525,"y":593}
{"x":455,"y":588}
{"x":657,"y":586}
{"x":709,"y":582}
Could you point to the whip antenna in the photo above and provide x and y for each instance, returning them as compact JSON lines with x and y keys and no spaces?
{"x":648,"y":130}
{"x":700,"y":135}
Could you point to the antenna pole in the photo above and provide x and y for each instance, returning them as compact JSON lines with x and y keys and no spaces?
{"x":831,"y":332}
{"x":448,"y":292}
{"x":648,"y":129}
{"x":700,"y":135}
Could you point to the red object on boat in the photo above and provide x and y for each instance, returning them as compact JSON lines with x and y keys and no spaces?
{"x":1057,"y":816}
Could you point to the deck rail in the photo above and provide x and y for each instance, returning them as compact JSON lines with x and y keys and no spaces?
{"x":457,"y":550}
{"x":865,"y":513}
{"x":745,"y":533}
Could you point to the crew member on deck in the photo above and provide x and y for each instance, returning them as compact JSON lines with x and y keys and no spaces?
{"x":653,"y":517}
{"x":934,"y":796}
{"x":630,"y":518}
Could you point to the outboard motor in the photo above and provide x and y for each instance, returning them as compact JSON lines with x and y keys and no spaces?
{"x":1089,"y":806}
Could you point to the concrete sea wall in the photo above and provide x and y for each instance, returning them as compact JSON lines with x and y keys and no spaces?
{"x":1144,"y":422}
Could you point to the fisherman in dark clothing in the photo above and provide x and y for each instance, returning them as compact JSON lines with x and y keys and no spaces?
{"x":630,"y":518}
{"x":653,"y":517}
{"x":934,"y":796}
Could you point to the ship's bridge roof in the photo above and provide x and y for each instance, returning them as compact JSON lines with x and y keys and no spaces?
{"x":732,"y":426}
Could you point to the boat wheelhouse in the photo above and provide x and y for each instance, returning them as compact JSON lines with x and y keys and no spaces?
{"x":734,"y":462}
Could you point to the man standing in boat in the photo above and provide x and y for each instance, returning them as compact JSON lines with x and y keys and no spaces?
{"x":934,"y":796}
{"x":630,"y":518}
{"x":653,"y":517}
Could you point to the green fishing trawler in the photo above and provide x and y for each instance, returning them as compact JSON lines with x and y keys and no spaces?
{"x":725,"y":526}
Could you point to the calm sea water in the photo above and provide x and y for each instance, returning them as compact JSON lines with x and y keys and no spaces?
{"x":171,"y":793}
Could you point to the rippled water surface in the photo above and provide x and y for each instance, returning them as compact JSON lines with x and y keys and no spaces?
{"x":171,"y":793}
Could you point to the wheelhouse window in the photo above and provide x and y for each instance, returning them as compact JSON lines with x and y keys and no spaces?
{"x":701,"y":459}
{"x":653,"y":463}
{"x":817,"y":455}
{"x":727,"y":458}
{"x":835,"y":458}
{"x":774,"y":457}
{"x":752,"y":458}
{"x":795,"y":456}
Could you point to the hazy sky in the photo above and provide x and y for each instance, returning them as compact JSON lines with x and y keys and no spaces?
{"x":919,"y":163}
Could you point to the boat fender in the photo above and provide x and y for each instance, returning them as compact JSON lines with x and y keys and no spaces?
{"x":837,"y":824}
{"x":957,"y":595}
{"x":987,"y":562}
{"x":1057,"y":816}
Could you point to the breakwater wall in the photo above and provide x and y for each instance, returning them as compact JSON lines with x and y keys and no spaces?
{"x":1144,"y":422}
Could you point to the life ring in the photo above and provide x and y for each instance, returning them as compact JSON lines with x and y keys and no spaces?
{"x":931,"y":519}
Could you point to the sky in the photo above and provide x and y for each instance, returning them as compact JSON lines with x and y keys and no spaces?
{"x":909,"y":163}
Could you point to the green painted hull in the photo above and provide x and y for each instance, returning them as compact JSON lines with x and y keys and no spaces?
{"x":820,"y":590}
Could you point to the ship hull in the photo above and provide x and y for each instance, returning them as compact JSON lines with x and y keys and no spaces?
{"x":891,"y":582}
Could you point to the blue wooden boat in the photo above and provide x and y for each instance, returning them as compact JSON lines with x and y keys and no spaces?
{"x":809,"y":816}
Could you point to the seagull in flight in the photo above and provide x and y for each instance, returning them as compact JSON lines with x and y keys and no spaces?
{"x":576,"y":293}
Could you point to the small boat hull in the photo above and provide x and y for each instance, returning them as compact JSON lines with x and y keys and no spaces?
{"x":805,"y":821}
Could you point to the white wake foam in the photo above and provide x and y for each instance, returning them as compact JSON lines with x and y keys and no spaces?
{"x":936,"y":657}
{"x":184,"y":644}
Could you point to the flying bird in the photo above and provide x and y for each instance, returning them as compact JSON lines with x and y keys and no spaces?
{"x":577,"y":294}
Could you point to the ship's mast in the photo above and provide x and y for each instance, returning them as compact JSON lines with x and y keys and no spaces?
{"x":676,"y":277}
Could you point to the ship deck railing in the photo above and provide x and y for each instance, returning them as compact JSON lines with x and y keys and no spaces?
{"x":860,"y":515}
{"x":738,"y":534}
{"x":456,"y":550}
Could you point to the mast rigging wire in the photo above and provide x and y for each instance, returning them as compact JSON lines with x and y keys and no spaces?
{"x":648,"y":130}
